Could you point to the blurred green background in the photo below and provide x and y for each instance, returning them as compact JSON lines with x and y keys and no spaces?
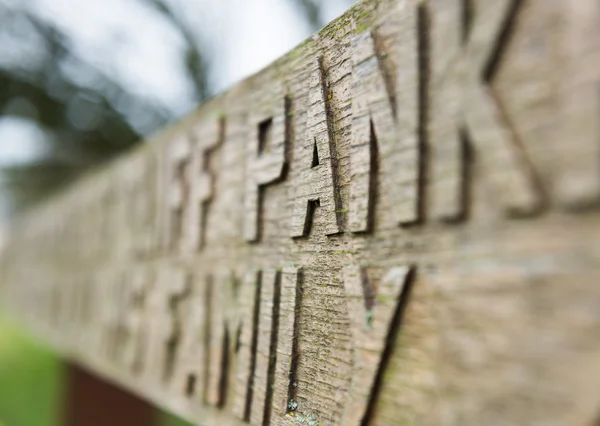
{"x":30,"y":385}
{"x":31,"y":382}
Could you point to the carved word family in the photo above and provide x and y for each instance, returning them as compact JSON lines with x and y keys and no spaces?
{"x":260,"y":262}
{"x":224,"y":340}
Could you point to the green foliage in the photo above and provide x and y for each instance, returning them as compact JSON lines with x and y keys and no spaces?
{"x":30,"y":381}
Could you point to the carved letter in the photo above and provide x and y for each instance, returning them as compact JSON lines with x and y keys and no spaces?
{"x":225,"y":321}
{"x":316,"y":184}
{"x":206,"y":138}
{"x":385,"y":152}
{"x":464,"y":110}
{"x":375,"y":317}
{"x":265,"y":356}
{"x":287,"y":341}
{"x":189,"y":375}
{"x":579,"y":176}
{"x":142,"y":214}
{"x":274,"y":346}
{"x":137,"y":292}
{"x":176,"y":191}
{"x":164,"y":317}
{"x":266,"y":159}
{"x":111,"y":294}
{"x":250,"y":309}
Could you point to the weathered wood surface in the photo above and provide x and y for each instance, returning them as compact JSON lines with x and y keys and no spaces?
{"x":396,"y":223}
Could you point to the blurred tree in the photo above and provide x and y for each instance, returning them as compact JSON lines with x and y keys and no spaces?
{"x":312,"y":12}
{"x":85,"y":125}
{"x":193,"y":50}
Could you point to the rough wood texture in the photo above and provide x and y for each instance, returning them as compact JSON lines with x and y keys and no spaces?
{"x":395,"y":223}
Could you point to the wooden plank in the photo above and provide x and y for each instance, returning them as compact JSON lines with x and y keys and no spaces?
{"x":89,"y":401}
{"x":395,"y":223}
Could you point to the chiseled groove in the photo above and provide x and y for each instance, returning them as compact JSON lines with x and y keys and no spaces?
{"x":272,"y":350}
{"x":423,"y":46}
{"x":254,"y":346}
{"x":293,"y":382}
{"x":207,"y":335}
{"x":373,"y":178}
{"x":391,"y":338}
{"x":225,"y":362}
